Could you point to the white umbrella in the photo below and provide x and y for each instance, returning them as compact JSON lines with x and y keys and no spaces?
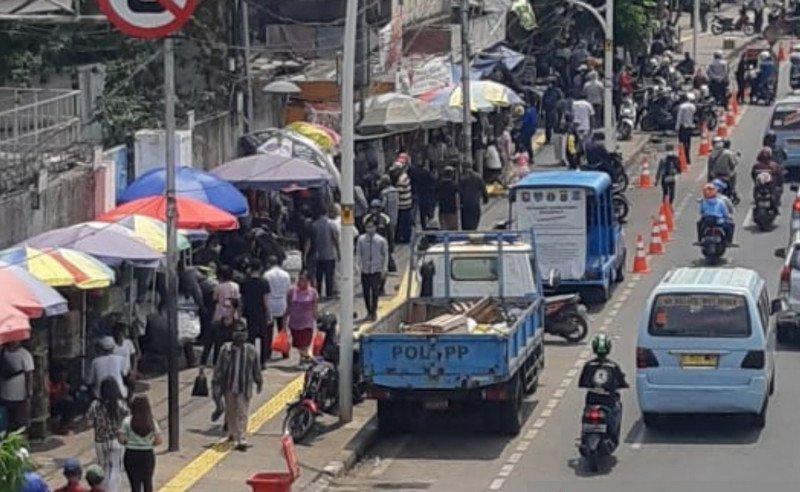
{"x":393,"y":112}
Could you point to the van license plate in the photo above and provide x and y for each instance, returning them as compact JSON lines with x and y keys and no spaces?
{"x":699,"y":360}
{"x":435,"y":404}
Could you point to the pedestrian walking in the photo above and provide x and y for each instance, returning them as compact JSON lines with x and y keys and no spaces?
{"x":390,"y":199}
{"x":447,"y":198}
{"x":582,"y":116}
{"x":280,"y":282}
{"x":255,"y":304}
{"x":16,"y":384}
{"x":372,"y":260}
{"x":563,"y":119}
{"x":235,"y":374}
{"x":382,"y":222}
{"x":423,"y":187}
{"x":530,"y":123}
{"x":325,"y":244}
{"x":73,"y":473}
{"x":758,"y":8}
{"x":684,"y":124}
{"x":140,"y":435}
{"x":302,"y":313}
{"x":405,"y":204}
{"x":573,"y":146}
{"x":718,"y":79}
{"x":108,"y":365}
{"x":668,"y":169}
{"x":472,"y":191}
{"x":741,"y":80}
{"x":106,"y":414}
{"x":225,"y":295}
{"x":595,"y":92}
{"x":125,"y":348}
{"x":552,"y":95}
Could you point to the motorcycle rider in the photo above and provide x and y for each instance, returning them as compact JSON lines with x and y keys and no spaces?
{"x":686,"y":66}
{"x":597,"y":156}
{"x":712,"y":207}
{"x":764,"y":78}
{"x":718,"y":79}
{"x":771,"y":140}
{"x":722,"y":187}
{"x":765,"y":164}
{"x":684,"y":124}
{"x":604,"y":378}
{"x":722,"y":164}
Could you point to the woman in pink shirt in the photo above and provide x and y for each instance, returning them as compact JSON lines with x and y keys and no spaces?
{"x":302,"y":314}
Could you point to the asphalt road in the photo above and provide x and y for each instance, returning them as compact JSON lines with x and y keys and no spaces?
{"x":697,"y":453}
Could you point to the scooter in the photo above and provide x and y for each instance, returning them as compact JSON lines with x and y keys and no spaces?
{"x":721,"y":24}
{"x":713,"y":240}
{"x":565,"y":316}
{"x":599,"y":437}
{"x":627,"y":118}
{"x":764,"y":212}
{"x":320,"y":392}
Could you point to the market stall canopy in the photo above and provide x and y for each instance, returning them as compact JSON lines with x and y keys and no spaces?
{"x":324,"y":137}
{"x":14,"y":324}
{"x":192,"y":214}
{"x":486,"y":91}
{"x":285,"y":143}
{"x":28,"y":294}
{"x":153,"y":231}
{"x":192,"y":183}
{"x":440,"y":99}
{"x":60,"y":267}
{"x":273,"y":172}
{"x":110,"y":243}
{"x":398,"y":113}
{"x":487,"y":60}
{"x":282,"y":87}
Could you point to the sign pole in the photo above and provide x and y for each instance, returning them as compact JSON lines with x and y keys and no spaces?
{"x":172,"y":249}
{"x":348,"y":219}
{"x":466,"y":95}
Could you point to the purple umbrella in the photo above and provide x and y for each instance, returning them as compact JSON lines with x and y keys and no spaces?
{"x":273,"y":172}
{"x":111,"y":243}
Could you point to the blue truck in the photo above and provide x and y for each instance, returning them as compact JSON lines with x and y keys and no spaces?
{"x":468,"y":336}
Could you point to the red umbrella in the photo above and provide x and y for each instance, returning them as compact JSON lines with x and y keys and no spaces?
{"x":14,"y":324}
{"x":192,"y":214}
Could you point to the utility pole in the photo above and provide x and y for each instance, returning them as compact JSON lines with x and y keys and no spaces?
{"x":466,"y":95}
{"x":248,"y":72}
{"x":172,"y":246}
{"x":348,"y":218}
{"x":607,"y":24}
{"x":695,"y":28}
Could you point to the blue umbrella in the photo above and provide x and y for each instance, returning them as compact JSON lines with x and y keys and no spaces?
{"x":191,"y":183}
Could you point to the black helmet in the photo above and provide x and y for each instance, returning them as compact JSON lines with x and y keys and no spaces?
{"x":769,"y":139}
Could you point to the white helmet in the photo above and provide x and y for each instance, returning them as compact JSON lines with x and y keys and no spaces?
{"x":764,"y":55}
{"x":690,"y":96}
{"x":764,"y":178}
{"x":704,"y":91}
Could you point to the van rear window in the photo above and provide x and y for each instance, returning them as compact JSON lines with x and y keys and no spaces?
{"x":786,"y":117}
{"x":700,"y":315}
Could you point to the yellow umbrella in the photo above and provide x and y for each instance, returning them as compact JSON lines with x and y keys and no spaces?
{"x":486,"y":95}
{"x":319,"y":135}
{"x":61,"y":267}
{"x":151,"y":231}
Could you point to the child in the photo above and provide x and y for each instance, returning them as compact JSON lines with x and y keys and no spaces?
{"x":73,"y":473}
{"x":95,"y":478}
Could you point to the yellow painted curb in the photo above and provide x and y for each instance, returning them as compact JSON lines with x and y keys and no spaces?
{"x":200,"y":466}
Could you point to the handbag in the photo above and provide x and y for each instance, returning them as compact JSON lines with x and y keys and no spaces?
{"x":281,"y":343}
{"x":200,"y":387}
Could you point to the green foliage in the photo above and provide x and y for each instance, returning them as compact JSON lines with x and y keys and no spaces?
{"x":632,"y":22}
{"x":14,"y":461}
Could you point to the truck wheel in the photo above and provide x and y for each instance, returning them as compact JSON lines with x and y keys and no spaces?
{"x":505,"y":417}
{"x":390,"y":415}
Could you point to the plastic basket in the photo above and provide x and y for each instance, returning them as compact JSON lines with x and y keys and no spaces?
{"x":271,"y":482}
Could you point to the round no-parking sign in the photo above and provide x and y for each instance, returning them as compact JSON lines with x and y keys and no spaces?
{"x":148,"y":18}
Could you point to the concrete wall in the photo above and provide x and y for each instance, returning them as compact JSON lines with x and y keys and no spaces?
{"x":65,"y":199}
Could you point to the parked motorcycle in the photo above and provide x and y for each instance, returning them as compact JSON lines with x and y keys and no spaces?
{"x":615,"y":169}
{"x":627,"y":118}
{"x":659,"y":115}
{"x":565,"y":316}
{"x":720,"y":24}
{"x":764,"y":212}
{"x":320,"y":392}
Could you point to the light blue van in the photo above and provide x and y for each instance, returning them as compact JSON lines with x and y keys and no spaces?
{"x":706,"y":345}
{"x":785,"y":122}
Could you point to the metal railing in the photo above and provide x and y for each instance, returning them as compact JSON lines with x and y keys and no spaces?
{"x":38,"y":127}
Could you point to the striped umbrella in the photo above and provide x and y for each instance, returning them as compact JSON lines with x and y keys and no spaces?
{"x":61,"y":267}
{"x":152,"y":231}
{"x":14,"y":324}
{"x":28,"y":294}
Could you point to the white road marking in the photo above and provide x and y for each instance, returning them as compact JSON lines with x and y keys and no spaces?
{"x":552,"y":403}
{"x":748,"y":219}
{"x":613,"y":313}
{"x":572,"y":372}
{"x":531,"y":433}
{"x":579,"y":363}
{"x":539,"y":423}
{"x":547,"y":412}
{"x":617,"y":305}
{"x":523,"y":446}
{"x":566,"y":382}
{"x":497,"y":484}
{"x":514,"y":458}
{"x":637,"y":440}
{"x":505,"y":470}
{"x":559,"y":393}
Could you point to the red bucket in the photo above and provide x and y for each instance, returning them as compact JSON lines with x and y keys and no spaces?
{"x":271,"y":482}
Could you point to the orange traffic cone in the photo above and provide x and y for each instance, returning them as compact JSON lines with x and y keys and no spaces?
{"x":735,"y":105}
{"x":722,"y":129}
{"x":662,"y":225}
{"x":656,"y":245}
{"x":644,"y":178}
{"x":640,"y":260}
{"x":781,"y":53}
{"x":666,"y":209}
{"x":705,"y":143}
{"x":682,"y":162}
{"x":730,"y":119}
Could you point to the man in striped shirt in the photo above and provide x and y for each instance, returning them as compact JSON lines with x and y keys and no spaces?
{"x":404,"y":202}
